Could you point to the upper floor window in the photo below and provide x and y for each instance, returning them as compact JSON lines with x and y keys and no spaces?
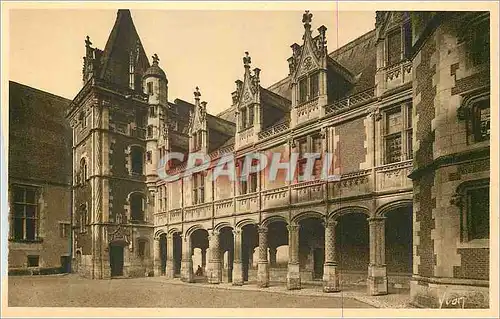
{"x":64,"y":230}
{"x":137,"y":160}
{"x":142,"y":248}
{"x":398,"y":140}
{"x":83,"y":171}
{"x":308,"y":87}
{"x":136,"y":207}
{"x":480,"y":42}
{"x":481,"y":120}
{"x":198,"y":188}
{"x":24,"y":213}
{"x":247,"y":116}
{"x":197,"y":141}
{"x":312,"y":144}
{"x":149,"y":132}
{"x":82,"y":119}
{"x":152,"y":111}
{"x":248,"y":183}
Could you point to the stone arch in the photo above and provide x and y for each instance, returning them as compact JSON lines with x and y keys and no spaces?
{"x":191,"y":229}
{"x":174,"y":230}
{"x":244,"y":222}
{"x":307,"y":214}
{"x":382,"y":210}
{"x":348,"y":210}
{"x":158,"y":233}
{"x":271,"y":219}
{"x":221,"y":225}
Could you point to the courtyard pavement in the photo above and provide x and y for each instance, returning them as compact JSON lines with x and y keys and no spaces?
{"x":159,"y":292}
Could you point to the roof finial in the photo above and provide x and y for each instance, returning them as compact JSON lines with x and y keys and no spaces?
{"x":306,"y":19}
{"x":87,"y":42}
{"x":247,"y":60}
{"x":155,"y":59}
{"x":197,"y":93}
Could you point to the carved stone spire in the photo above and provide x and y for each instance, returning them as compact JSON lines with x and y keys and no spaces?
{"x":247,"y":60}
{"x":306,"y":19}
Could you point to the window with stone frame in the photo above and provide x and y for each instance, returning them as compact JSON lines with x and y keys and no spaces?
{"x":25,"y":219}
{"x":308,"y":87}
{"x":473,"y":199}
{"x":83,"y":171}
{"x":137,"y":160}
{"x":142,"y":248}
{"x":398,"y":142}
{"x":251,"y":110}
{"x":136,"y":202}
{"x":481,"y":120}
{"x":250,"y":183}
{"x":152,"y":111}
{"x":33,"y":261}
{"x":64,"y":229}
{"x":394,"y":47}
{"x":149,"y":156}
{"x":149,"y":132}
{"x":83,"y":222}
{"x":198,"y":182}
{"x":309,"y":144}
{"x":243,"y":118}
{"x":398,"y":43}
{"x":479,"y":34}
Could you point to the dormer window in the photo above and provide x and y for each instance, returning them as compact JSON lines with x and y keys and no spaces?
{"x":196,"y":141}
{"x":398,"y":44}
{"x":308,"y":87}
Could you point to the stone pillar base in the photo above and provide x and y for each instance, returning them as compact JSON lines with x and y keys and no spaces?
{"x":331,"y":279}
{"x":263,"y":275}
{"x":187,"y":271}
{"x":214,"y":273}
{"x":377,"y":280}
{"x":157,"y":270}
{"x":169,"y":271}
{"x":293,"y":277}
{"x":237,"y":274}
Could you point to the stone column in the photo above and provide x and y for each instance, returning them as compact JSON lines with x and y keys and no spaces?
{"x":237,"y":263}
{"x":263,"y":267}
{"x":215,"y":273}
{"x":330,"y":271}
{"x":187,"y":260}
{"x":169,"y":271}
{"x":157,"y":257}
{"x":293,"y":276}
{"x":377,"y":272}
{"x":272,"y":256}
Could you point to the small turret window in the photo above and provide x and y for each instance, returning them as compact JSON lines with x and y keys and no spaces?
{"x":150,"y":88}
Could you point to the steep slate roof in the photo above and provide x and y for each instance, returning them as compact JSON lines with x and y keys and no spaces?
{"x":40,"y":138}
{"x":116,"y":55}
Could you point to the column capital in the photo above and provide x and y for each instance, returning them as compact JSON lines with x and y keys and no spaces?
{"x":330,"y":223}
{"x":214,"y":232}
{"x":292,"y":228}
{"x":262,"y":229}
{"x":376,"y":219}
{"x":236,"y":232}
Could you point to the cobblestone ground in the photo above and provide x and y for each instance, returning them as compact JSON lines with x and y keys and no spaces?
{"x":73,"y":291}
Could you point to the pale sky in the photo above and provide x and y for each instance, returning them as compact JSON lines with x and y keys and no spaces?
{"x":196,"y":48}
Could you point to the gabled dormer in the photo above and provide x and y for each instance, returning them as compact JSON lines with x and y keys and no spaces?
{"x":394,"y":43}
{"x":308,"y":73}
{"x":198,"y":125}
{"x":246,"y":100}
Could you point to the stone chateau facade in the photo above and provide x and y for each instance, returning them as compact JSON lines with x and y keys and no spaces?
{"x":404,"y":109}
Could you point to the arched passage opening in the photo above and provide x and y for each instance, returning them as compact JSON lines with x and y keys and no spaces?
{"x":352,"y":243}
{"x":227,"y":252}
{"x":249,"y":240}
{"x":277,"y":237}
{"x":163,"y":253}
{"x":311,"y":247}
{"x":177,"y":253}
{"x":199,"y":246}
{"x":398,"y":244}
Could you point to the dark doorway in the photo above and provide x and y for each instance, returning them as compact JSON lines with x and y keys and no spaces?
{"x":163,"y":253}
{"x":65,"y":264}
{"x":116,"y":260}
{"x":319,"y":260}
{"x":177,"y":254}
